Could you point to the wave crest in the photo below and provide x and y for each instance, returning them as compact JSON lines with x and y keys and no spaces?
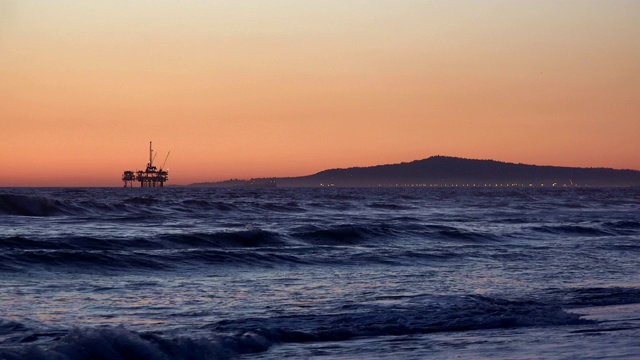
{"x":26,"y":205}
{"x":459,"y":313}
{"x":120,"y":344}
{"x":341,"y":234}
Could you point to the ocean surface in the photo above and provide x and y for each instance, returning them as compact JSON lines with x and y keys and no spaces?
{"x":322,"y":273}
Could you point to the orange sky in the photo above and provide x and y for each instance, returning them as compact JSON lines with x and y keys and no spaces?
{"x":240,"y":89}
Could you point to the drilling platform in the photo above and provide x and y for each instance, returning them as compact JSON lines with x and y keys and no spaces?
{"x":151,"y":177}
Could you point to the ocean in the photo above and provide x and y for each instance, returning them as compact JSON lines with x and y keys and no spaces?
{"x":319,"y":273}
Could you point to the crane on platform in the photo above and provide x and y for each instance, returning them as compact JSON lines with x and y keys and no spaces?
{"x":165,"y":160}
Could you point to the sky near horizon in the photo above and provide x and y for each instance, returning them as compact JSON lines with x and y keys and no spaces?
{"x":241,"y":89}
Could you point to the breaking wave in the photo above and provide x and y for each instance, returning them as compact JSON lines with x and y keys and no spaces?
{"x":345,"y":234}
{"x":227,"y":338}
{"x":120,"y":344}
{"x":26,"y":205}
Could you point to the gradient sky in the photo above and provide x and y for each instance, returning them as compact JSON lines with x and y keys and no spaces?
{"x":241,"y":89}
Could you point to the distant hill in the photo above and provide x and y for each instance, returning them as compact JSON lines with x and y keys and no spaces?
{"x":452,"y":171}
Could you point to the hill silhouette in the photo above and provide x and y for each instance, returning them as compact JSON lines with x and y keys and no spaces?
{"x":452,"y":171}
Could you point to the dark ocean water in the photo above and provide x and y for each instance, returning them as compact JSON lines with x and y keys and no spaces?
{"x":411,"y":273}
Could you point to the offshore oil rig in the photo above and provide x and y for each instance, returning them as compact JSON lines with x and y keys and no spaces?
{"x":151,"y":177}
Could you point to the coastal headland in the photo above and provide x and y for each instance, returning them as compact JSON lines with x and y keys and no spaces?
{"x":446,"y":171}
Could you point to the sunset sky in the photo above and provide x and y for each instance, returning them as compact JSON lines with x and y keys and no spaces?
{"x":241,"y":89}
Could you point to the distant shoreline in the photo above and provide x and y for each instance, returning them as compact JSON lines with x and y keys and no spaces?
{"x":445,"y":171}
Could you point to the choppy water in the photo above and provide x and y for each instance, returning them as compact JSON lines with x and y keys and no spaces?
{"x":193,"y":273}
